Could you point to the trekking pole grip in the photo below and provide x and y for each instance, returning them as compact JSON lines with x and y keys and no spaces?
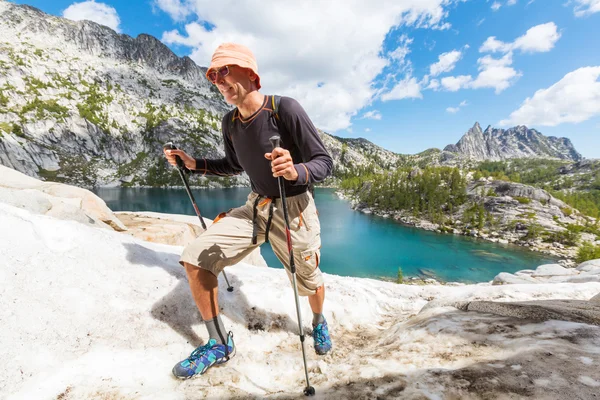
{"x":171,"y":146}
{"x":275,"y":141}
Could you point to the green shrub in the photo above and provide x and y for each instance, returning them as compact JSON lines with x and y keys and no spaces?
{"x":567,"y":211}
{"x":587,"y":251}
{"x":3,"y":99}
{"x":534,"y":231}
{"x":400,"y":275}
{"x":566,"y":237}
{"x":17,"y":130}
{"x":522,"y":200}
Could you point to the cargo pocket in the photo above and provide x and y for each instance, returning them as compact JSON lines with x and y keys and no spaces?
{"x":310,"y":259}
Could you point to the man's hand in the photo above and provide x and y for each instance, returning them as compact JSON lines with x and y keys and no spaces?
{"x":282,"y":164}
{"x":190,"y":162}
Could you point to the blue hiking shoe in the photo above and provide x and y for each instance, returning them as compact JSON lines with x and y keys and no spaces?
{"x":204,"y":357}
{"x":322,"y":339}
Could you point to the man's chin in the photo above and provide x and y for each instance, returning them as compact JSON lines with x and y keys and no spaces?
{"x":231,"y":100}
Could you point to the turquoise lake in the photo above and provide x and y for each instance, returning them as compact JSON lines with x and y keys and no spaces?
{"x":353,"y":244}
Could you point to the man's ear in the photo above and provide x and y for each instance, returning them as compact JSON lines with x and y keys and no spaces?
{"x":251,"y":75}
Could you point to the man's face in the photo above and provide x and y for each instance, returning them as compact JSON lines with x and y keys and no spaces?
{"x":234,"y":83}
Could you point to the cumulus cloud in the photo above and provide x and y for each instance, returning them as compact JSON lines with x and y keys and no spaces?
{"x":455,"y":83}
{"x":176,"y":9}
{"x":586,"y":7}
{"x":408,"y":88}
{"x":498,"y":73}
{"x":327,"y":57}
{"x":98,"y":12}
{"x":575,"y":98}
{"x":495,"y":73}
{"x":434,"y":84}
{"x":540,"y":38}
{"x":446,"y":63}
{"x":496,"y":6}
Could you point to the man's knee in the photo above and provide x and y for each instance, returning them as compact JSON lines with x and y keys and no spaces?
{"x":196,"y":273}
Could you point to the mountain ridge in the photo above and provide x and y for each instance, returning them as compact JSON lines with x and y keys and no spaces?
{"x":517,"y":142}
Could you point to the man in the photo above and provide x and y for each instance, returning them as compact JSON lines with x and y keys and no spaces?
{"x":301,"y":161}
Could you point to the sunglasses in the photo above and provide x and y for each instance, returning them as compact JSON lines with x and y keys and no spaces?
{"x":214,"y":74}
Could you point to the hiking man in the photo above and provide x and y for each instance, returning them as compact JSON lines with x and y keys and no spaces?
{"x":301,"y":160}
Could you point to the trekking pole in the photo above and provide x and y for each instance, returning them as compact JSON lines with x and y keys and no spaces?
{"x":180,"y":167}
{"x":308,"y":390}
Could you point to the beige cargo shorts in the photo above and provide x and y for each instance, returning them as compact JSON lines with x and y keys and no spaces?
{"x":229,"y":239}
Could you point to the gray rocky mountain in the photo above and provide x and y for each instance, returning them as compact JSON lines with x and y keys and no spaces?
{"x":83,"y":104}
{"x":516,"y":142}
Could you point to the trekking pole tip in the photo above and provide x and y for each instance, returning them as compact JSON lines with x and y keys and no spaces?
{"x":309,"y":391}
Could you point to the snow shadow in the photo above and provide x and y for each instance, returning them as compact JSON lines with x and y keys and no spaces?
{"x":178,"y":309}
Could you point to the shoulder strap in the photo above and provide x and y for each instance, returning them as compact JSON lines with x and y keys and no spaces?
{"x":275,"y":100}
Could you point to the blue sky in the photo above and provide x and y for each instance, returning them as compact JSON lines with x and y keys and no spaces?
{"x":407,"y":77}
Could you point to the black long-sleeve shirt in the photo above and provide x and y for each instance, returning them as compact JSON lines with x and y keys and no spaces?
{"x":247,"y":140}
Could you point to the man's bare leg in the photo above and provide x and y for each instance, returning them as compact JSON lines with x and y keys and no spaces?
{"x":205,"y":290}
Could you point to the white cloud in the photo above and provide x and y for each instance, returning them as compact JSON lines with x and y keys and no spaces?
{"x":405,"y":89}
{"x":326,"y":57}
{"x":177,"y":10}
{"x":498,"y":73}
{"x":367,"y":129}
{"x":401,"y":52}
{"x":511,"y":2}
{"x":90,"y":10}
{"x":454,"y":110}
{"x":455,"y":83}
{"x":495,"y":73}
{"x":373,"y":114}
{"x":434,"y":84}
{"x":496,"y":6}
{"x":586,"y":7}
{"x":575,"y":98}
{"x":446,"y":63}
{"x":540,"y":38}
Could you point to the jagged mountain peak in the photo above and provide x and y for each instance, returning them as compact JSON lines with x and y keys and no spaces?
{"x":516,"y":142}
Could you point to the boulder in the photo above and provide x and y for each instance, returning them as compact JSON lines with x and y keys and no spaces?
{"x":549,"y":270}
{"x":504,"y":278}
{"x":582,"y":311}
{"x":56,"y":199}
{"x":589,"y":265}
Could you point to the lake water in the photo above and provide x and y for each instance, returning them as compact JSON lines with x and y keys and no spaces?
{"x":353,"y":244}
